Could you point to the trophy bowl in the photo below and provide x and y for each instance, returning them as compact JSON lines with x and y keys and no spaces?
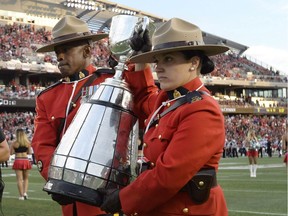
{"x":122,"y":29}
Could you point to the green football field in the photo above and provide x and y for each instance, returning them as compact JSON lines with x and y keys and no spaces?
{"x":264,"y":195}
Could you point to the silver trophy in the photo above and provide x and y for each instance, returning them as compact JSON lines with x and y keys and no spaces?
{"x":99,"y":149}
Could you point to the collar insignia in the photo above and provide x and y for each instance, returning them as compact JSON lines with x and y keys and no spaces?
{"x":176,"y":94}
{"x":81,"y":75}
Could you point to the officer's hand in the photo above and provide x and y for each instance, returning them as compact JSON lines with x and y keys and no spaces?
{"x":111,"y":201}
{"x":62,"y":200}
{"x":112,"y":62}
{"x":141,"y":42}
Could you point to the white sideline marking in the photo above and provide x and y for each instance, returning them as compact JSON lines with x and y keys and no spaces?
{"x":9,"y":174}
{"x":254,"y":191}
{"x":258,"y":166}
{"x":30,"y":198}
{"x":258,"y":213}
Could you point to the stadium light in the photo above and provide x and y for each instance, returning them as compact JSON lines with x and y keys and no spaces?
{"x":81,"y":4}
{"x":115,"y":9}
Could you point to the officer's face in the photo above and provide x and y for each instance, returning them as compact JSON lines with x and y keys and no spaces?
{"x":72,"y":57}
{"x":173,"y":70}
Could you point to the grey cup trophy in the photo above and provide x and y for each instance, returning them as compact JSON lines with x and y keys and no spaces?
{"x":99,"y":149}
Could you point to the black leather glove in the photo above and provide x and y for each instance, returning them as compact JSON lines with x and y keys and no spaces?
{"x":112,"y":62}
{"x":141,"y":42}
{"x":111,"y":201}
{"x":61,"y":199}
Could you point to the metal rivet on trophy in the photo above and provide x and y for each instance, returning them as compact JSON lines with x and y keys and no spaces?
{"x":99,"y":148}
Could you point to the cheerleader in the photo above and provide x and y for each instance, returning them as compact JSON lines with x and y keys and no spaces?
{"x":21,"y":147}
{"x":253,"y":145}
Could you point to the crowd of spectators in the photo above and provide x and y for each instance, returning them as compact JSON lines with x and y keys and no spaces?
{"x":17,"y":91}
{"x":236,"y":67}
{"x":247,"y":102}
{"x":10,"y":121}
{"x":19,"y":41}
{"x":267,"y":127}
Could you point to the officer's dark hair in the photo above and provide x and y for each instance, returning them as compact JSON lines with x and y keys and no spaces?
{"x":90,"y":42}
{"x":207,"y":65}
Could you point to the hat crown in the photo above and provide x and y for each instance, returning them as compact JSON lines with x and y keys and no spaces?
{"x":178,"y":35}
{"x":176,"y":30}
{"x":69,"y":25}
{"x":69,"y":29}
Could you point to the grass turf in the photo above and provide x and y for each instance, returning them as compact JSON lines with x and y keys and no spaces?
{"x":264,"y":195}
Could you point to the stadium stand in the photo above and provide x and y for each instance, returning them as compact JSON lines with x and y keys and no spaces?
{"x":249,"y":93}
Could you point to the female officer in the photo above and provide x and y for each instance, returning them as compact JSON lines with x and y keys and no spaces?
{"x":185,"y":133}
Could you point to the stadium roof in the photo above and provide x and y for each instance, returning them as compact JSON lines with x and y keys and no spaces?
{"x":98,"y":15}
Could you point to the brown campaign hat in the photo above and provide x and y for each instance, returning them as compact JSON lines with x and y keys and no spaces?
{"x":68,"y":29}
{"x":177,"y":35}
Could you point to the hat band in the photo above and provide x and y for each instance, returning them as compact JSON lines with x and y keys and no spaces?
{"x":68,"y":36}
{"x":177,"y":44}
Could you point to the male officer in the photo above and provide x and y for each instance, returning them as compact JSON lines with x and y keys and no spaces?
{"x":57,"y":105}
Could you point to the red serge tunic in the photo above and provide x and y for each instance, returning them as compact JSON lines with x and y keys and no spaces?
{"x":51,"y":109}
{"x":185,"y":140}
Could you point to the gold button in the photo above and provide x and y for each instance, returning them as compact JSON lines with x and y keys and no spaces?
{"x":168,"y":104}
{"x":156,"y":125}
{"x":74,"y":105}
{"x":145,"y":120}
{"x":135,"y":213}
{"x":52,"y":117}
{"x":201,"y":183}
{"x":185,"y":210}
{"x":159,"y":137}
{"x":144,"y":145}
{"x":152,"y":164}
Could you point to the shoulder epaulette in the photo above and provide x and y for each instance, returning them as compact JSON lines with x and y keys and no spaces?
{"x":105,"y":71}
{"x":193,"y":96}
{"x":50,"y":87}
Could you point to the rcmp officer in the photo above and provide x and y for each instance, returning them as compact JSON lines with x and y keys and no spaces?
{"x":57,"y":105}
{"x":185,"y":132}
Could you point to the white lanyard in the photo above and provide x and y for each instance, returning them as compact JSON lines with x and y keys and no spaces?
{"x":164,"y":104}
{"x":68,"y":105}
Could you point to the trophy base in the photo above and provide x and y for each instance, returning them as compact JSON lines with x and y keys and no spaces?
{"x":76,"y":192}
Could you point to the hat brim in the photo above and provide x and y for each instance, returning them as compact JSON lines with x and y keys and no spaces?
{"x":50,"y":47}
{"x":148,"y":57}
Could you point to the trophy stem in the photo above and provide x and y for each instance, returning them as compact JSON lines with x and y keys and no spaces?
{"x":120,"y":67}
